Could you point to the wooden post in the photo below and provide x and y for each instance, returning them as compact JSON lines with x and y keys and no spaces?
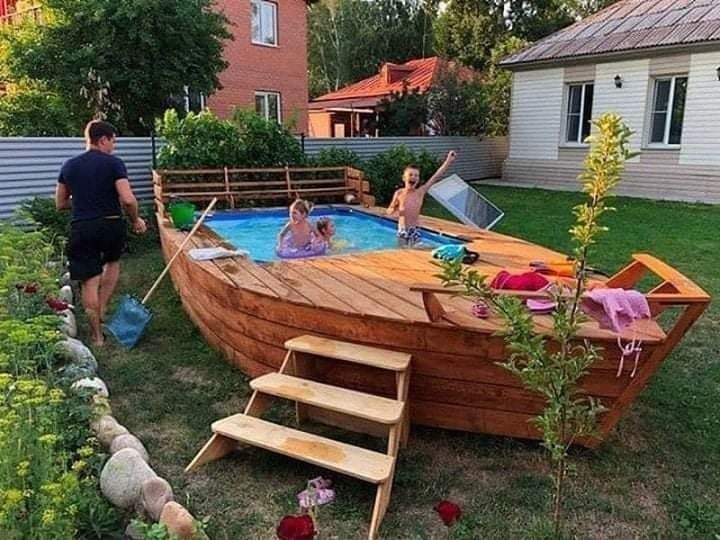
{"x":287,"y":181}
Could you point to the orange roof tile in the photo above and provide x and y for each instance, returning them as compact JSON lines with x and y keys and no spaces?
{"x":417,"y":74}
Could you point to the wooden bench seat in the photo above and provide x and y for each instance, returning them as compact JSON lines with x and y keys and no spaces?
{"x":360,"y":463}
{"x":332,"y":398}
{"x":350,"y":352}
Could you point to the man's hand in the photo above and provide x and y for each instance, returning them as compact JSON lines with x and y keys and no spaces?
{"x":139,"y":226}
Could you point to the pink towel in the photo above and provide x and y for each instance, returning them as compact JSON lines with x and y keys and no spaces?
{"x":616,"y":309}
{"x":527,"y":281}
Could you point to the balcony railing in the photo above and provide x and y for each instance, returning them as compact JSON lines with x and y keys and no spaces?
{"x":30,"y":14}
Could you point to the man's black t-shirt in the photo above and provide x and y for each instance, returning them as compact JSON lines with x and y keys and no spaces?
{"x":90,"y":178}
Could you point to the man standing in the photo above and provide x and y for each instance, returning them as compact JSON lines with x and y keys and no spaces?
{"x":95,"y":185}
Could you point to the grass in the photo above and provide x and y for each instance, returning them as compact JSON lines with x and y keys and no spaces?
{"x":657,"y":476}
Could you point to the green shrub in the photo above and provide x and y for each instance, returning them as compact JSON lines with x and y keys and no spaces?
{"x":267,"y":143}
{"x":336,"y":157}
{"x":42,"y":212}
{"x":198,"y":141}
{"x":384,"y":171}
{"x":30,"y":111}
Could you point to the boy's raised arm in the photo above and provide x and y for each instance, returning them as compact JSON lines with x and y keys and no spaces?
{"x":441,"y":170}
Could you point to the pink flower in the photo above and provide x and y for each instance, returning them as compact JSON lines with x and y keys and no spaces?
{"x":296,"y":528}
{"x":449,"y":512}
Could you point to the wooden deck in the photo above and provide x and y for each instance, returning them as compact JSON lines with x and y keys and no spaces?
{"x":248,"y":310}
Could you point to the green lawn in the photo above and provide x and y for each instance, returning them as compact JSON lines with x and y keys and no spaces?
{"x":657,"y":476}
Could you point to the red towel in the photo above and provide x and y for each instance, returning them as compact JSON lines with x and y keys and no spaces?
{"x":528,"y":281}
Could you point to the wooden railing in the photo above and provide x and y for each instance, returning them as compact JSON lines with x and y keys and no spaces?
{"x":30,"y":14}
{"x":240,"y":186}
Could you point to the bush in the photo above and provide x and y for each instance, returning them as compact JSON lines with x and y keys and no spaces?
{"x":267,"y":143}
{"x":336,"y":157}
{"x":384,"y":171}
{"x":29,"y":111}
{"x":41,"y":211}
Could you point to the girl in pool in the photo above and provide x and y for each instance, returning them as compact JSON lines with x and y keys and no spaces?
{"x":299,"y":237}
{"x":326,"y":228}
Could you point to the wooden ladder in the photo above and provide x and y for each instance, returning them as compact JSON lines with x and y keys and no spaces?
{"x":353,"y":410}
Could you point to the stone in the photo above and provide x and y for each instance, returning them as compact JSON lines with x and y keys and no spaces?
{"x":68,"y":324}
{"x":75,"y":351}
{"x":155,"y":494}
{"x":92,"y":384}
{"x":128,"y":440}
{"x":66,"y":294}
{"x":74,"y":372}
{"x":100,"y":406}
{"x":65,"y":279}
{"x":179,"y":521}
{"x":122,"y":478}
{"x":106,"y":428}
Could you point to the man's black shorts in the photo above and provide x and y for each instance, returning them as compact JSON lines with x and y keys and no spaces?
{"x":93,"y":243}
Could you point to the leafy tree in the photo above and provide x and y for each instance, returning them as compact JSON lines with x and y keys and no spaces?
{"x":29,"y":110}
{"x":267,"y":143}
{"x":403,"y":113}
{"x":497,"y":85}
{"x":349,"y":39}
{"x":121,"y":59}
{"x":457,"y":104}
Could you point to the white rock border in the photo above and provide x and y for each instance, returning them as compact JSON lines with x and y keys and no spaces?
{"x":126,"y":480}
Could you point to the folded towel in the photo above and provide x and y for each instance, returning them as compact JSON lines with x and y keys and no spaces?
{"x":528,"y":281}
{"x":449,"y":252}
{"x":615,"y":309}
{"x":210,"y":253}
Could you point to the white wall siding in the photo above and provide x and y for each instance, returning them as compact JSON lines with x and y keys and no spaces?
{"x":701,"y":127}
{"x":536,"y":112}
{"x":628,"y":101}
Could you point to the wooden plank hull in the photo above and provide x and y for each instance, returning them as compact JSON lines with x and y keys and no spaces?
{"x":456,"y":382}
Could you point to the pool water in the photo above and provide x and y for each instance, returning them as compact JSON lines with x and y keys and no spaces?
{"x":256,"y":231}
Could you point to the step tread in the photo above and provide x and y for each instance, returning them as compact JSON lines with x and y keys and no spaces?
{"x":334,"y":398}
{"x":350,"y":352}
{"x":344,"y":458}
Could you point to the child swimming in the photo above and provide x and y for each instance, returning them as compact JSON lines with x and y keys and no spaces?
{"x":407,"y":201}
{"x":298,"y":232}
{"x":326,"y":228}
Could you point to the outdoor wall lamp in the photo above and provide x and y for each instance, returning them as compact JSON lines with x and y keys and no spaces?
{"x":618,"y":80}
{"x":718,"y":73}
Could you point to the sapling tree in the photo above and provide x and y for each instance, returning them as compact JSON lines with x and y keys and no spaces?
{"x":552,"y":364}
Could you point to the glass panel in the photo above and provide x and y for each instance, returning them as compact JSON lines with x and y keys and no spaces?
{"x":255,"y":18}
{"x":657,"y":134}
{"x":662,"y":95}
{"x":465,"y":203}
{"x":573,"y":121}
{"x":260,"y":107}
{"x":587,"y":111}
{"x":574,"y":96}
{"x":273,"y":108}
{"x":268,"y":23}
{"x":678,"y":110}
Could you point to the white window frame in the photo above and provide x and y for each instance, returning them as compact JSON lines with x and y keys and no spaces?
{"x":578,"y":142}
{"x":264,"y":94}
{"x":668,"y":113}
{"x":186,"y":99}
{"x":260,"y":4}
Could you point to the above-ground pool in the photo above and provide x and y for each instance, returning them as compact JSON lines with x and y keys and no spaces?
{"x":256,"y":231}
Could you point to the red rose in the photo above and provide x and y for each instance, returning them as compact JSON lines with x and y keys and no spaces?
{"x":31,"y":288}
{"x":448,"y":511}
{"x":296,"y":528}
{"x":57,"y":305}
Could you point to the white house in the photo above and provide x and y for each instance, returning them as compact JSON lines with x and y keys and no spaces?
{"x":656,"y":63}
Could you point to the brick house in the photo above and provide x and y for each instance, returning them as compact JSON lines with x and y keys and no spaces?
{"x":267,"y":59}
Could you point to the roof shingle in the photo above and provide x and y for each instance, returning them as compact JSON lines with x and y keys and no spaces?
{"x":628,"y":25}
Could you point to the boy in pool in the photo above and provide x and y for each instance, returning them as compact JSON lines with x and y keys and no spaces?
{"x":407,"y":201}
{"x":298,"y":232}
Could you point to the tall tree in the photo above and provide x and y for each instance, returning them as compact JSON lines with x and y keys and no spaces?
{"x":349,"y":39}
{"x":122,"y":59}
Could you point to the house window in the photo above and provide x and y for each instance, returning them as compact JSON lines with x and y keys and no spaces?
{"x":264,"y":22}
{"x":193,"y":101}
{"x":267,"y":105}
{"x":668,"y":110}
{"x":579,"y":112}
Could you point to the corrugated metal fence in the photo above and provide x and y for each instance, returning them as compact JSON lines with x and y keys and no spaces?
{"x":29,"y":166}
{"x":477,"y":157}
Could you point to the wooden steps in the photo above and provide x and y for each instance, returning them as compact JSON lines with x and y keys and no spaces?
{"x":350,"y":352}
{"x":350,"y":409}
{"x":341,"y":400}
{"x":360,"y":463}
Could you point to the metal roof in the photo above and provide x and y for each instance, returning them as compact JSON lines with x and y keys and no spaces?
{"x":628,"y":25}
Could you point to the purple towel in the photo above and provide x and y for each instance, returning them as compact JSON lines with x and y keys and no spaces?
{"x":616,"y":309}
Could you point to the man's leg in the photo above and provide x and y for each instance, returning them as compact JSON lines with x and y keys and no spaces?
{"x":91,"y":302}
{"x":108,"y":281}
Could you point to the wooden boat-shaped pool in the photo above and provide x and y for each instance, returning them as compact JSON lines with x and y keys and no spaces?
{"x":248,"y":310}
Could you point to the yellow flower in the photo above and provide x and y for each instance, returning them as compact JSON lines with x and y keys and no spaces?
{"x":56,"y":395}
{"x":48,"y":517}
{"x":48,"y":439}
{"x":79,"y":466}
{"x":5,"y":378}
{"x":23,"y":469}
{"x":86,"y":451}
{"x":13,"y":497}
{"x":52,"y":490}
